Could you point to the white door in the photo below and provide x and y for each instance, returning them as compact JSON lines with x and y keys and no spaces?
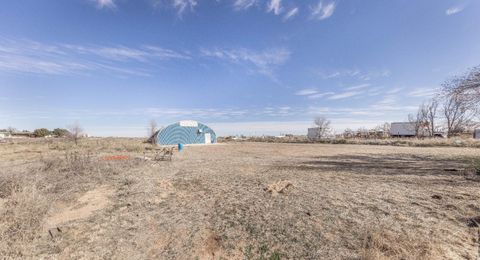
{"x":208,"y":139}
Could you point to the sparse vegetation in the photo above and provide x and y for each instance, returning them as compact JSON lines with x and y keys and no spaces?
{"x":76,"y":132}
{"x":414,"y":142}
{"x":236,"y":201}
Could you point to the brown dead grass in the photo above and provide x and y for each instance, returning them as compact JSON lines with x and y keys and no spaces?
{"x":413,"y":142}
{"x":215,"y":202}
{"x":381,"y":242}
{"x":21,"y":220}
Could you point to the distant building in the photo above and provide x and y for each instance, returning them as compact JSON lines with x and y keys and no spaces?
{"x":476,"y":134}
{"x":23,"y":134}
{"x":406,"y":129}
{"x":314,"y":133}
{"x":185,"y":132}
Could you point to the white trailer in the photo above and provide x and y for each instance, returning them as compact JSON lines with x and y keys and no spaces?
{"x":476,"y":134}
{"x":402,"y":129}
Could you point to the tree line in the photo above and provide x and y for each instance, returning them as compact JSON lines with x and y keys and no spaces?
{"x":453,"y":110}
{"x":74,"y":132}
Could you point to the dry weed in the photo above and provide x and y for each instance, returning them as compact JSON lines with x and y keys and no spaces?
{"x":381,"y":242}
{"x":211,"y":201}
{"x":279,"y":187}
{"x":22,"y":216}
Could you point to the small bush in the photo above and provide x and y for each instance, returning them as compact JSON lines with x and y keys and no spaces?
{"x":59,"y":132}
{"x":41,"y":132}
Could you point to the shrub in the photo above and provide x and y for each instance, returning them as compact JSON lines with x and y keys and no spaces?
{"x":41,"y":132}
{"x":59,"y":132}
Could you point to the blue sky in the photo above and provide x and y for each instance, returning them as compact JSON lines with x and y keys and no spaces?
{"x":241,"y":66}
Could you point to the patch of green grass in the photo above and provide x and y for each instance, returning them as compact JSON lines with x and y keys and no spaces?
{"x":275,"y":256}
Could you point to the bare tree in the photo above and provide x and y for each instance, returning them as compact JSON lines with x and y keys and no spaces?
{"x":380,"y":131}
{"x":322,"y":126}
{"x":466,"y":87}
{"x":362,"y":132}
{"x":348,"y":133}
{"x":386,"y":129}
{"x":152,"y":129}
{"x":11,"y":130}
{"x":417,"y":121}
{"x":461,"y":101}
{"x":458,"y":114}
{"x":76,"y":132}
{"x":429,"y":114}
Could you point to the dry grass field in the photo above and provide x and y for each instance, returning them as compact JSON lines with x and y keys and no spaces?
{"x":237,"y":201}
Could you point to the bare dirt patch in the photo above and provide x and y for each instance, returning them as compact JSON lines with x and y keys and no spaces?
{"x":84,"y":207}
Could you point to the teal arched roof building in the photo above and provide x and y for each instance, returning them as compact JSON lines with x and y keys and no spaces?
{"x":186,"y":132}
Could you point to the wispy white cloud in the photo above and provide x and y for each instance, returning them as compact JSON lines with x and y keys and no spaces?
{"x":354,"y":73}
{"x":306,"y":92}
{"x":356,"y":87}
{"x":394,"y":90}
{"x":105,"y":4}
{"x":387,"y":100}
{"x":312,"y":93}
{"x":244,"y":4}
{"x":344,"y":95}
{"x":264,"y":62}
{"x":24,"y":56}
{"x":165,"y":54}
{"x":275,"y":6}
{"x":454,"y":10}
{"x":375,"y":91}
{"x":123,"y":53}
{"x":290,"y":14}
{"x":423,"y":92}
{"x":340,"y":73}
{"x":182,"y":5}
{"x":201,"y":113}
{"x":120,"y":53}
{"x":322,"y":11}
{"x":320,"y":95}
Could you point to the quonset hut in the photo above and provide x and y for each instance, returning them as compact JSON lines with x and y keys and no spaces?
{"x":185,"y":132}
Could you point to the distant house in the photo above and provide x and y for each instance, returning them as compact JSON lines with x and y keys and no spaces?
{"x":4,"y":135}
